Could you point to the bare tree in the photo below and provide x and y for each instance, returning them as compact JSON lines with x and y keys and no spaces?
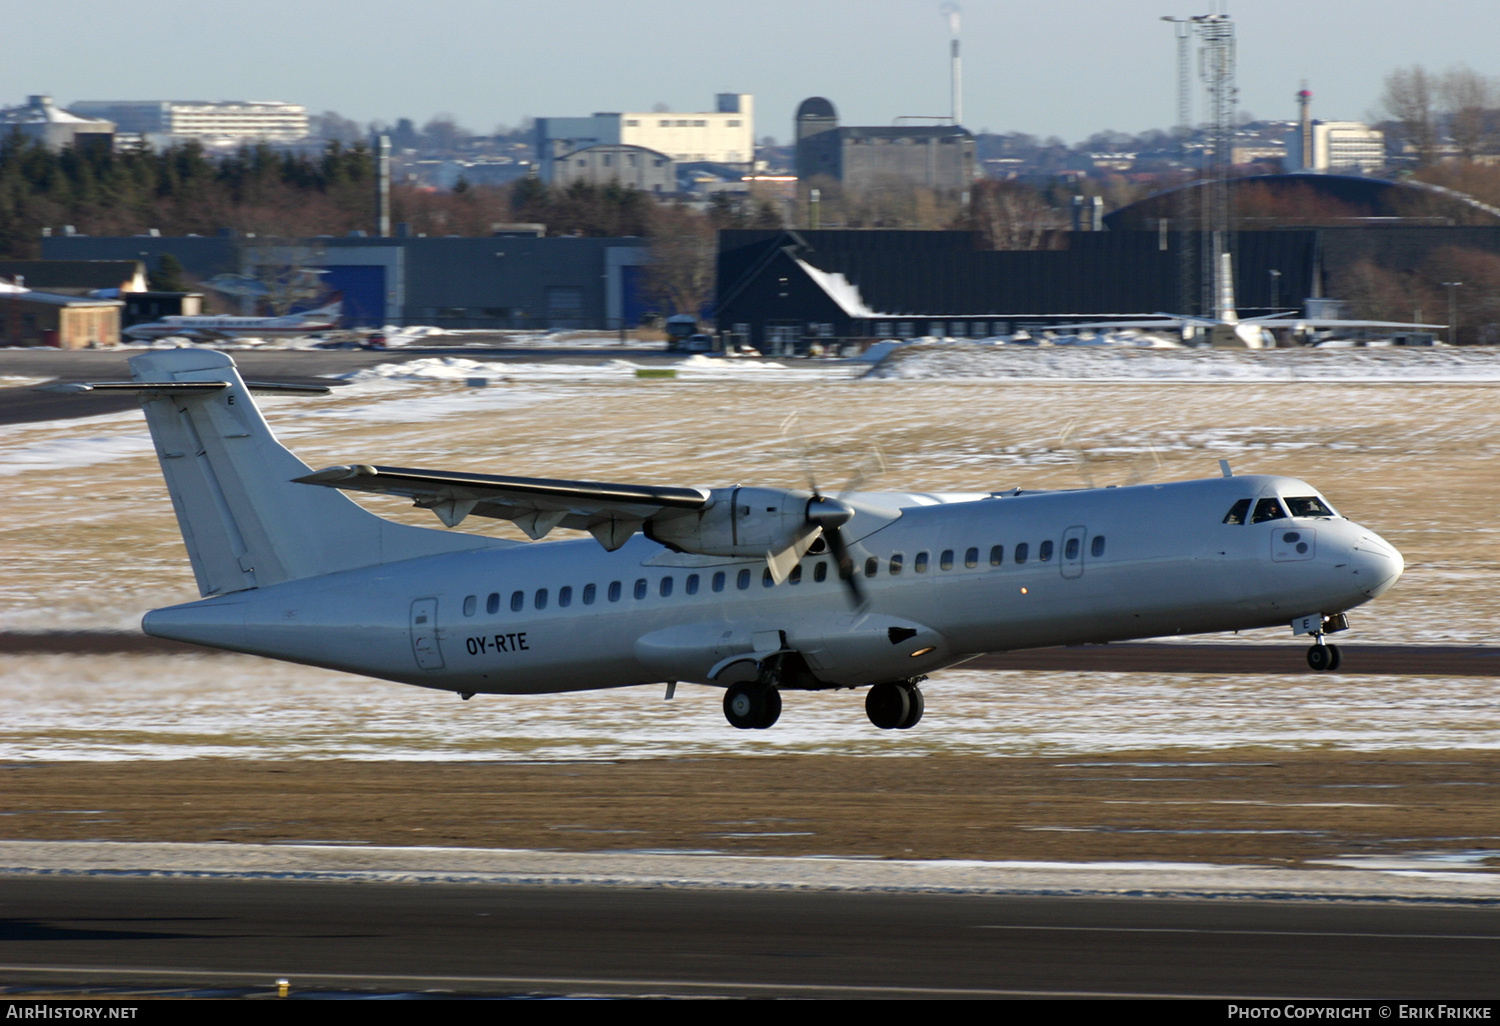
{"x":1410,"y":99}
{"x":1010,"y":215}
{"x":1469,"y":101}
{"x":680,"y":276}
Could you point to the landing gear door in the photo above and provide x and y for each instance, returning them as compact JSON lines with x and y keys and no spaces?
{"x":1071,"y":563}
{"x":424,"y":637}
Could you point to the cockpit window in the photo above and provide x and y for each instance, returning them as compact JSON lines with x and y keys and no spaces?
{"x":1268,"y":509}
{"x":1237,"y":512}
{"x":1308,"y":506}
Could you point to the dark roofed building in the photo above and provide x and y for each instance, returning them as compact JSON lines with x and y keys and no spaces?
{"x":781,"y":291}
{"x":77,"y":277}
{"x":941,"y":157}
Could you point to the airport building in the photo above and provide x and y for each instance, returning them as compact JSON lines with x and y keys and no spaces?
{"x":505,"y":281}
{"x":1340,"y":146}
{"x":725,"y":135}
{"x":941,"y":157}
{"x":32,"y":318}
{"x":634,"y":167}
{"x":42,"y":120}
{"x":166,"y":120}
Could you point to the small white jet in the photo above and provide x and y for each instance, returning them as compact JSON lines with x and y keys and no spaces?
{"x":217,"y":327}
{"x":756,"y":590}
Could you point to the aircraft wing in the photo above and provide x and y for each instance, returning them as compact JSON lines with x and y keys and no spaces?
{"x":1325,"y":322}
{"x":1171,"y":323}
{"x":611,"y":512}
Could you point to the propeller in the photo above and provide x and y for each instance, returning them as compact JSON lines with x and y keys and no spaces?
{"x":825,"y":516}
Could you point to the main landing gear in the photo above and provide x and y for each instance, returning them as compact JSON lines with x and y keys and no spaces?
{"x":895,"y":705}
{"x":753,"y":705}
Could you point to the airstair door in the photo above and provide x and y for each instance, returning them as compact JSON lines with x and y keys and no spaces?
{"x":424,"y":636}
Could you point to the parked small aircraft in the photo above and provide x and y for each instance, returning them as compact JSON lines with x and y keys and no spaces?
{"x":1227,"y":328}
{"x":756,"y":590}
{"x":209,"y":327}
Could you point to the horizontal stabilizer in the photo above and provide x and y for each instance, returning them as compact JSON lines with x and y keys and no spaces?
{"x":181,"y":387}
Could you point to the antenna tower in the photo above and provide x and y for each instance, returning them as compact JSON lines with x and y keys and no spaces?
{"x":1216,"y":68}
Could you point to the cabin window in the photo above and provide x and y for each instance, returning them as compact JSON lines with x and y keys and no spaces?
{"x":666,"y":587}
{"x":898,"y":559}
{"x":517,"y":600}
{"x":766,"y":580}
{"x":872,"y":566}
{"x":1268,"y":509}
{"x":971,"y":558}
{"x":945,"y":561}
{"x":1237,"y":512}
{"x":1022,"y":551}
{"x":1308,"y":506}
{"x":692,"y":584}
{"x":1044,"y":551}
{"x":614,"y":591}
{"x":743,"y":581}
{"x":796,"y":576}
{"x":471,"y":603}
{"x":820,"y":571}
{"x":640,"y":588}
{"x":492,"y":604}
{"x":920,"y":563}
{"x":719,"y":581}
{"x":1070,"y":550}
{"x":564,"y":597}
{"x":589,"y":594}
{"x":997,"y":555}
{"x":1096,"y":547}
{"x":541,"y":598}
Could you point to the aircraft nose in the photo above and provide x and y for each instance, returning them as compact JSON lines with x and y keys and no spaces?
{"x":1375,"y":562}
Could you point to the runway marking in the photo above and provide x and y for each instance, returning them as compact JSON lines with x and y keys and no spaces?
{"x":1245,"y":933}
{"x":301,"y":981}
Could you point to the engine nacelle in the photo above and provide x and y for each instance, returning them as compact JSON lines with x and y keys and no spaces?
{"x":740,"y":522}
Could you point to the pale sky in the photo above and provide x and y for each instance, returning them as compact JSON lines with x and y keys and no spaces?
{"x":1066,"y":69}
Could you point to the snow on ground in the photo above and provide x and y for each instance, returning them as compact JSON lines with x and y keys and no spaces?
{"x":459,"y":370}
{"x":960,"y":360}
{"x":158,"y":707}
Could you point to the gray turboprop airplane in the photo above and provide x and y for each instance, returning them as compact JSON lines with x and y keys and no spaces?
{"x":756,"y":590}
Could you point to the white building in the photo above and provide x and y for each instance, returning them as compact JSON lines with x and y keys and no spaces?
{"x":1345,"y":146}
{"x":235,"y":120}
{"x":722,"y":136}
{"x":57,"y":129}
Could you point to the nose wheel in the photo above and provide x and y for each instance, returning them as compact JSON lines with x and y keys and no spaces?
{"x":1324,"y":657}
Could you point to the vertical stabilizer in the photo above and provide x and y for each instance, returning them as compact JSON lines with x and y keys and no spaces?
{"x":245,"y":522}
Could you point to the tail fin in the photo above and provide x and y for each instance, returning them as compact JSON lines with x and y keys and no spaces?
{"x":333,"y":308}
{"x":245,"y":522}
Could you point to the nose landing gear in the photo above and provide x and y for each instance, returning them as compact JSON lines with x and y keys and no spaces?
{"x":1324,"y":657}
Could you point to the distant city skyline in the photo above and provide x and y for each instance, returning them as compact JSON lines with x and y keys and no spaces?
{"x":1064,"y":70}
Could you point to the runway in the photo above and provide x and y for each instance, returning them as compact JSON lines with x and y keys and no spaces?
{"x":504,"y":940}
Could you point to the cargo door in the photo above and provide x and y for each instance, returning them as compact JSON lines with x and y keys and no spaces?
{"x":424,"y":637}
{"x":1071,"y":563}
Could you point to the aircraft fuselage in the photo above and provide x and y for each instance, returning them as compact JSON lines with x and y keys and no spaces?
{"x":944,"y":582}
